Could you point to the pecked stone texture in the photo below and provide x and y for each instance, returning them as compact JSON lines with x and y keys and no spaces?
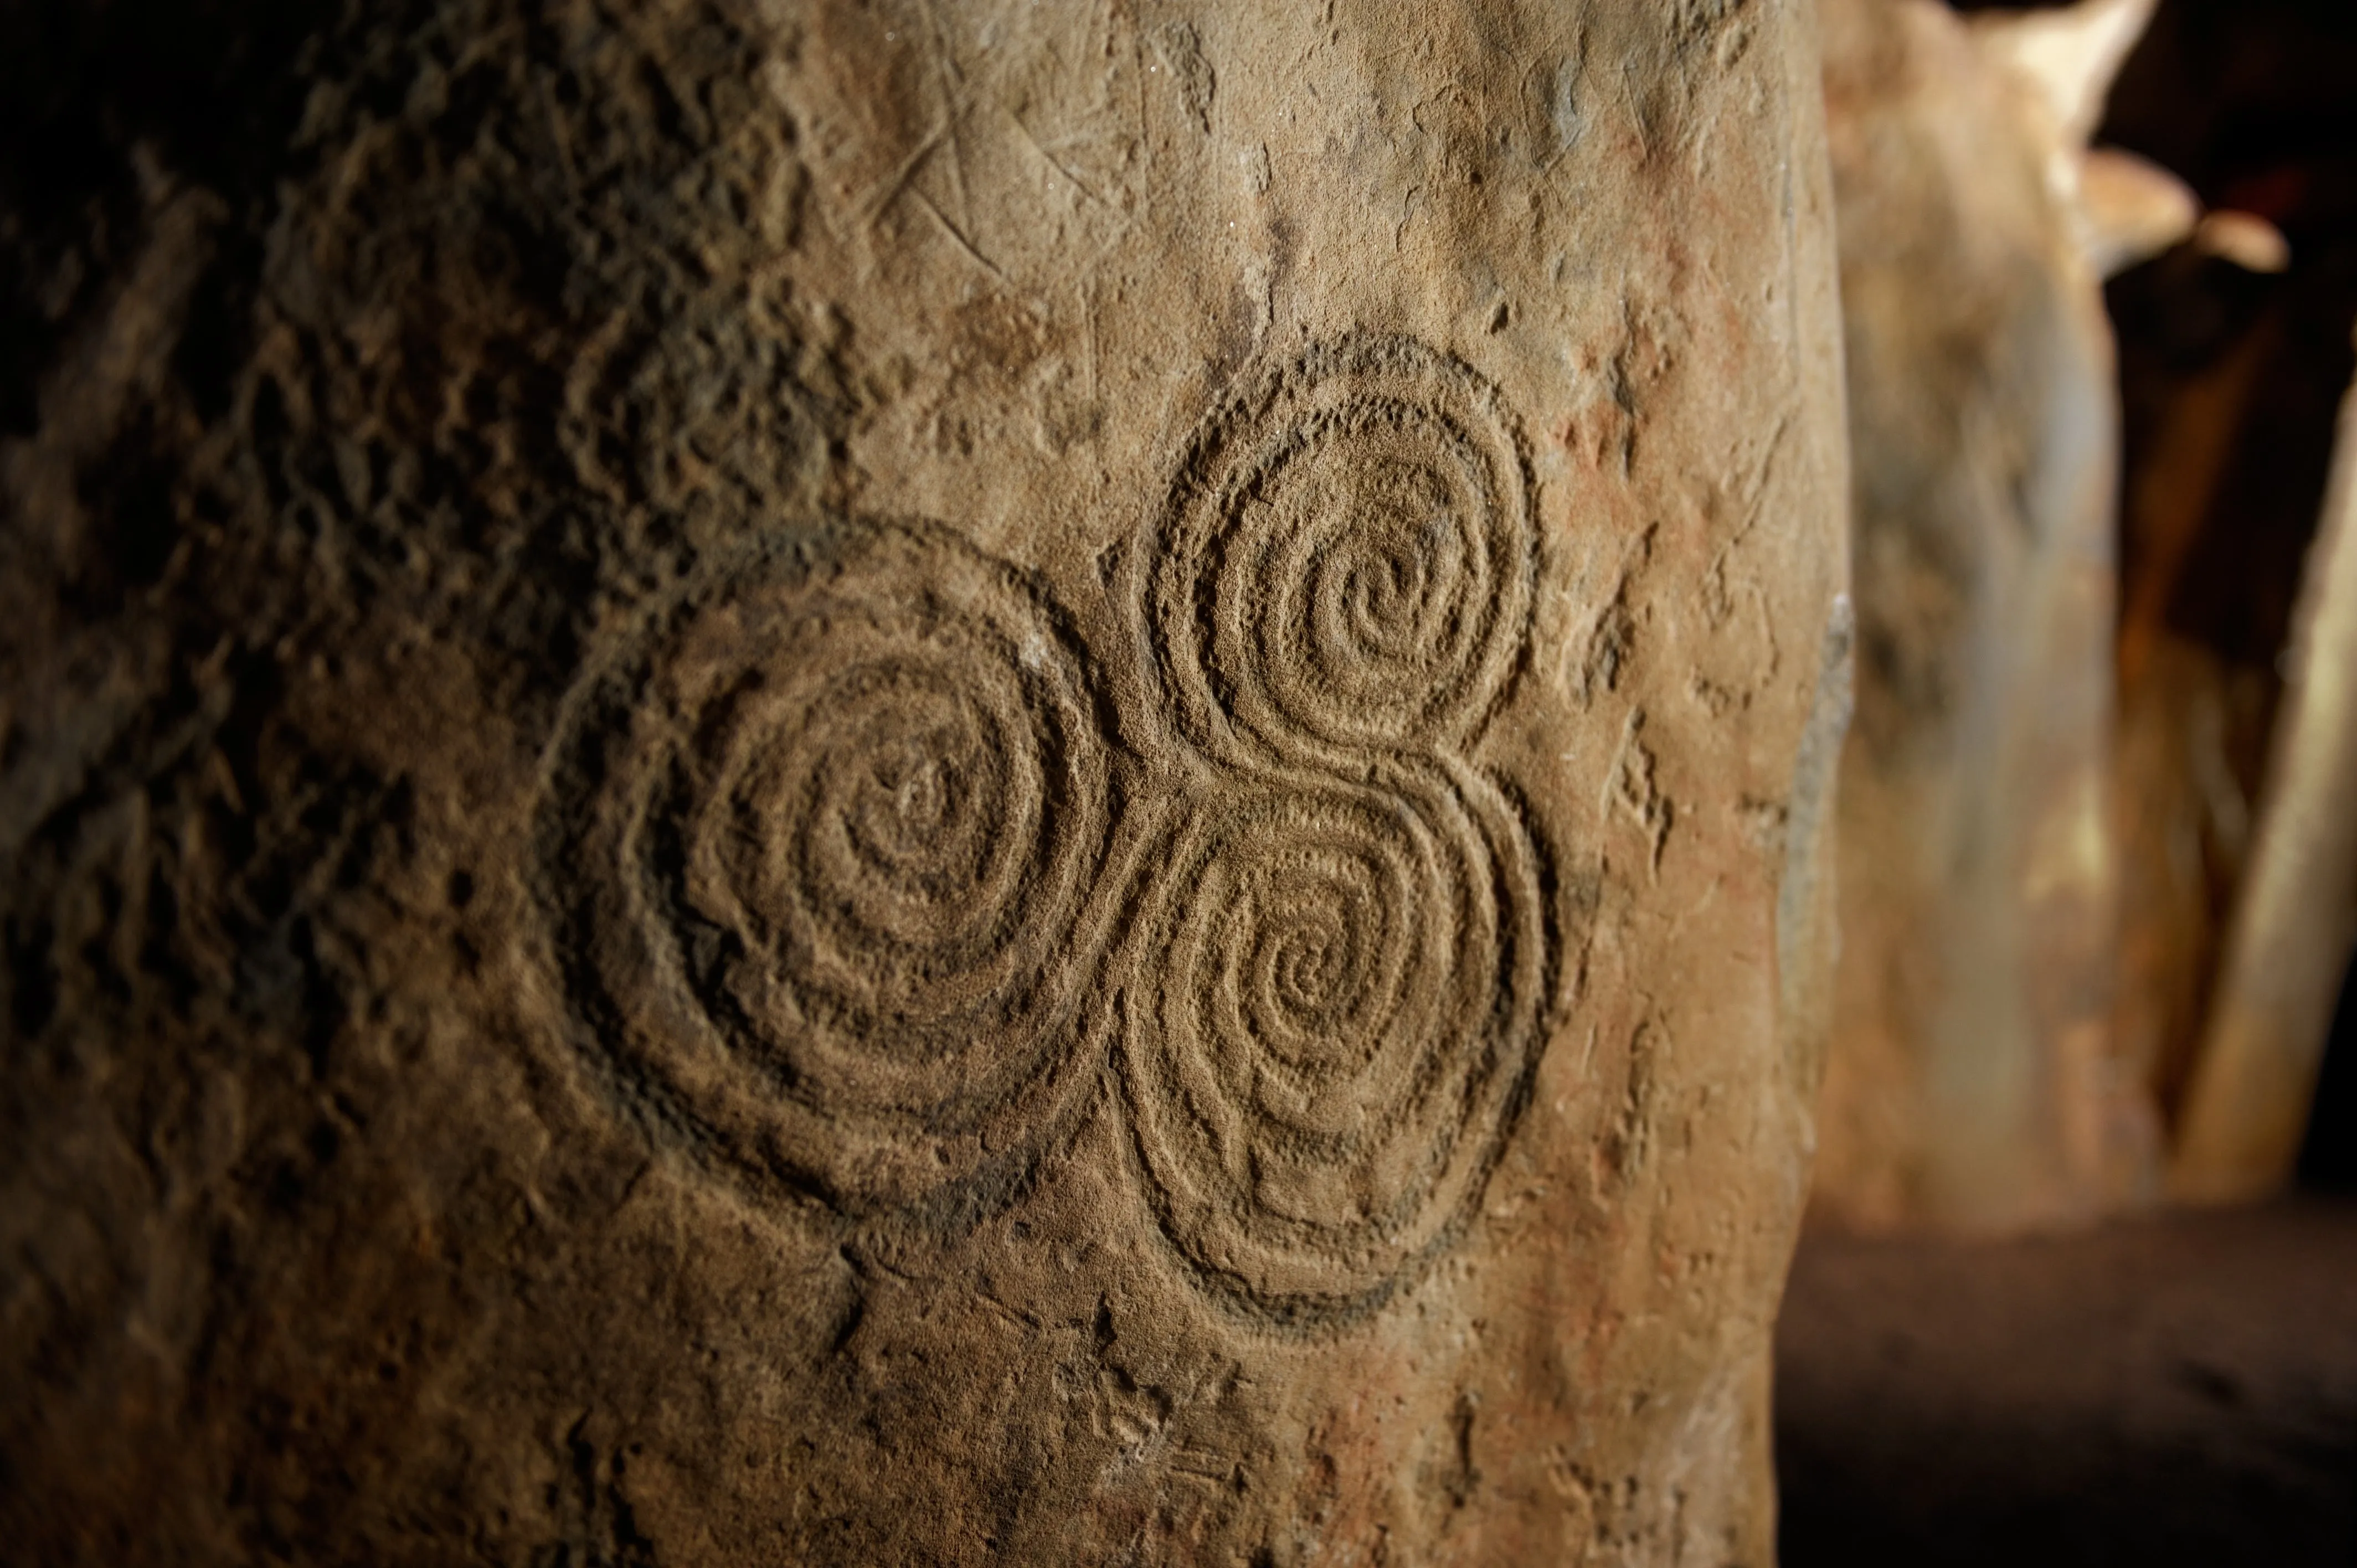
{"x":889,"y":783}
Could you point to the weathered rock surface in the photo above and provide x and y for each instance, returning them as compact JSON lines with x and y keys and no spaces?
{"x":889,"y":784}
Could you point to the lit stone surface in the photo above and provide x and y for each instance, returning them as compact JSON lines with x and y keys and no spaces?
{"x":927,"y":784}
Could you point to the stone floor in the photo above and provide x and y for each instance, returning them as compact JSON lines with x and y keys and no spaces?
{"x":2177,"y":1389}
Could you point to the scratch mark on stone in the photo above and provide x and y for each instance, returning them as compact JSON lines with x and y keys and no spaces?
{"x":890,"y":190}
{"x":1633,"y":787}
{"x":984,"y":263}
{"x":1053,"y":162}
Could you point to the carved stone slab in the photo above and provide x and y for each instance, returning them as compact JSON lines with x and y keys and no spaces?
{"x":933,"y":784}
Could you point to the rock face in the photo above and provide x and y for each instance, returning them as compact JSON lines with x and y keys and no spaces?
{"x":1972,"y":1079}
{"x":886,"y":784}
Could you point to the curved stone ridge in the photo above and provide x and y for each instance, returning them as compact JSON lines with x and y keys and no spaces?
{"x":828,"y":856}
{"x":1346,"y":564}
{"x":824,"y":845}
{"x":1327,"y":1040}
{"x":1334,"y":1001}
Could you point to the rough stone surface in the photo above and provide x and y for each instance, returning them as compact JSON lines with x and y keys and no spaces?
{"x":1972,"y":1079}
{"x":900,"y":783}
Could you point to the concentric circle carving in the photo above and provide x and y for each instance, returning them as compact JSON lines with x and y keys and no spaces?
{"x":1345,"y":566}
{"x":1329,"y":1027}
{"x":823,"y":848}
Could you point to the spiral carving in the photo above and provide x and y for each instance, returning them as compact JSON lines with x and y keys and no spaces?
{"x":822,"y":850}
{"x":852,"y":895}
{"x":1346,"y":565}
{"x":1331,"y":1028}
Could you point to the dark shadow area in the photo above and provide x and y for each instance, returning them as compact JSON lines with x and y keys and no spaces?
{"x":2327,"y":1160}
{"x":2174,"y":1391}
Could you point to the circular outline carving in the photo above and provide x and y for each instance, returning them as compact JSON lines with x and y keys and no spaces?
{"x":1303,"y":1179}
{"x":1347,"y":563}
{"x":824,"y":852}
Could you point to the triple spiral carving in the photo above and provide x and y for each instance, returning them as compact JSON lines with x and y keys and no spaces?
{"x":842,"y":886}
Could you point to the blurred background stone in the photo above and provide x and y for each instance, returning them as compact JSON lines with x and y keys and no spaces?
{"x":1973,"y":1080}
{"x":2231,"y":380}
{"x":2163,"y":1387}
